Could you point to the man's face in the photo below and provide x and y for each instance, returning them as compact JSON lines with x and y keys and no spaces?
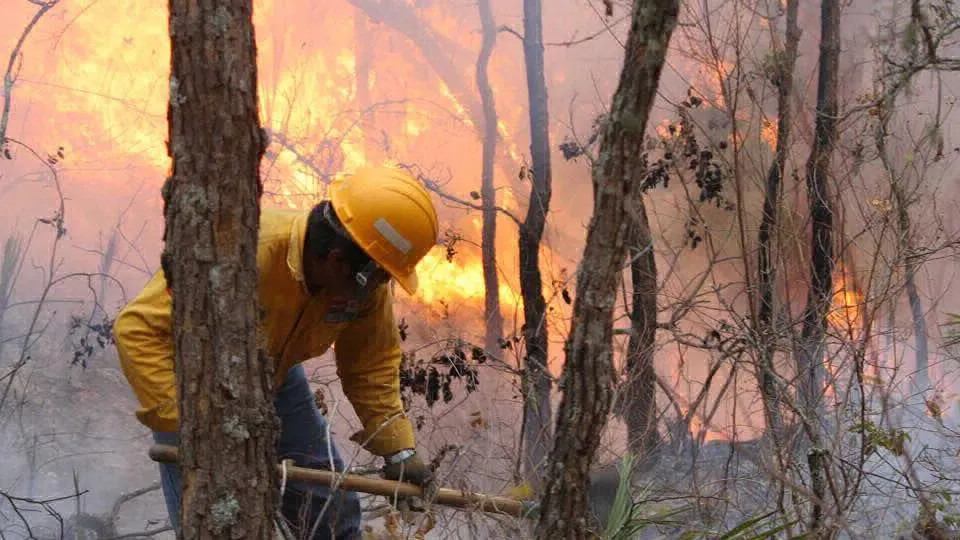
{"x":335,"y":275}
{"x":331,"y":273}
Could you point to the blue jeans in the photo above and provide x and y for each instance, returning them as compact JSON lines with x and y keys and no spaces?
{"x":303,"y":438}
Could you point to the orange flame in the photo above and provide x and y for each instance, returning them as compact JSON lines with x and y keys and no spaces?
{"x":768,"y":132}
{"x":699,"y":428}
{"x":846,"y":313}
{"x":441,"y":279}
{"x":846,"y":316}
{"x":113,"y":87}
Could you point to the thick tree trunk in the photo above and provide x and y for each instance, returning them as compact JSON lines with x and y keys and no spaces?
{"x":641,"y":385}
{"x":488,"y":195}
{"x":536,"y":388}
{"x":786,"y":62}
{"x":211,"y":208}
{"x":812,"y":345}
{"x":618,"y":207}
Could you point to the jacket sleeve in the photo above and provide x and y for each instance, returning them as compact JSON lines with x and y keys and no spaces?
{"x":368,"y":363}
{"x":144,"y":337}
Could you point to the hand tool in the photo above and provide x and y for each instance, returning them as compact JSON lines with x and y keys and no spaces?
{"x":454,"y":498}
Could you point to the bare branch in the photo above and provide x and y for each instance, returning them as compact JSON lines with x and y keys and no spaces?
{"x":9,"y":77}
{"x":509,"y":30}
{"x":145,"y":534}
{"x":608,"y":29}
{"x":127,"y":497}
{"x":434,"y":186}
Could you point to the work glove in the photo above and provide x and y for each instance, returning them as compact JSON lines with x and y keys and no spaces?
{"x":412,"y":470}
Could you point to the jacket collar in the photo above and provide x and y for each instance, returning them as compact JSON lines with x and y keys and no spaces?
{"x":298,"y":233}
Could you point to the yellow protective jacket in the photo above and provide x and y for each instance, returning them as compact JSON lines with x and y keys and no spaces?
{"x":367,"y":348}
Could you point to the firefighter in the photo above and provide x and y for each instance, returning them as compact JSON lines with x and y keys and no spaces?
{"x":324,"y":281}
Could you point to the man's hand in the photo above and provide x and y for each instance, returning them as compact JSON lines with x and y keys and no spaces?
{"x":406,"y":466}
{"x":411,"y":470}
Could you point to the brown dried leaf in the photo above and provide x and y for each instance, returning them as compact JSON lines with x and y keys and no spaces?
{"x":427,"y":526}
{"x":392,"y":525}
{"x":934,"y":409}
{"x":319,"y":398}
{"x":478,"y":421}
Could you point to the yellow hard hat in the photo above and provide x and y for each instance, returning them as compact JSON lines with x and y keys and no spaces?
{"x":390,"y":215}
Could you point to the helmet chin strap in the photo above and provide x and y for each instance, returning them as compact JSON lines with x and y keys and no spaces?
{"x":367,"y":279}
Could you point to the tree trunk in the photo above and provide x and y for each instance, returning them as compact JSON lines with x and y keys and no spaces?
{"x":618,"y":207}
{"x":886,"y":108}
{"x":212,"y":207}
{"x":819,"y":300}
{"x":536,"y":385}
{"x":913,"y":294}
{"x":641,"y":385}
{"x":491,"y":280}
{"x":821,"y":211}
{"x":783,"y":74}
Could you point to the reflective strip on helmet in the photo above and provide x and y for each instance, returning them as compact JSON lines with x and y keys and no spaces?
{"x":393,"y":236}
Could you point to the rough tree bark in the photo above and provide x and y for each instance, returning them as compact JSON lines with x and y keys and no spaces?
{"x":786,"y":60}
{"x":212,"y":207}
{"x":488,"y":195}
{"x":588,"y":372}
{"x":821,"y":211}
{"x":820,"y":297}
{"x":641,"y":379}
{"x":537,"y":413}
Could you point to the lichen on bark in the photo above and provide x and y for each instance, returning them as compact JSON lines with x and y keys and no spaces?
{"x":227,"y":422}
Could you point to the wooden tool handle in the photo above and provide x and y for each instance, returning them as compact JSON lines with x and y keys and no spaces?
{"x":378,"y":486}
